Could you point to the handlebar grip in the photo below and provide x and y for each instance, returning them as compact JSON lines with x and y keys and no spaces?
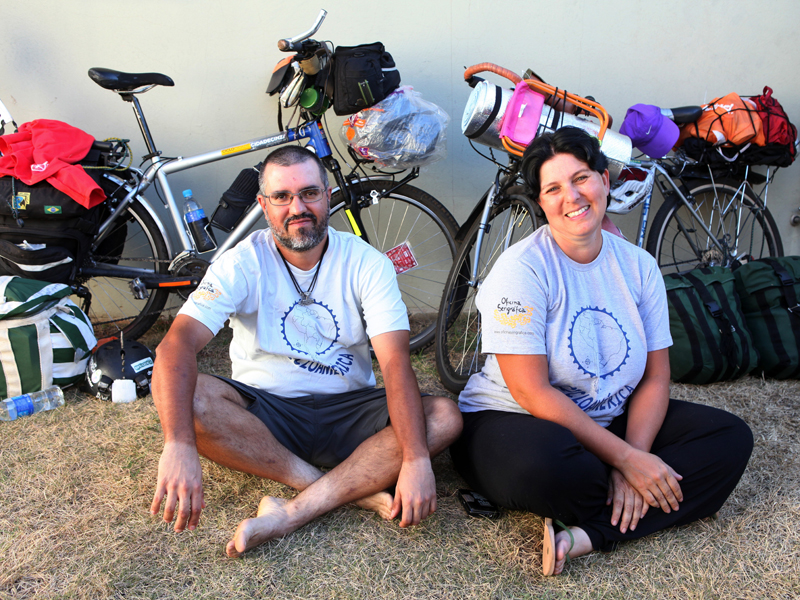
{"x":480,"y":68}
{"x":285,"y":46}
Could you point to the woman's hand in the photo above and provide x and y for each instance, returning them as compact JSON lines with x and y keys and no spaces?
{"x":654,"y":479}
{"x":628,"y":502}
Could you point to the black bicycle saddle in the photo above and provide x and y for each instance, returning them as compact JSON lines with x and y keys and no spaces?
{"x":126,"y":82}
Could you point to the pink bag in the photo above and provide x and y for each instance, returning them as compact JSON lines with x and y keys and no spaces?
{"x":523,"y":112}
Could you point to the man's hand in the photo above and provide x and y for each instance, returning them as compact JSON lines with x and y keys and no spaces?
{"x":180,"y":480}
{"x":628,"y":503}
{"x":654,"y":479}
{"x":415,"y":493}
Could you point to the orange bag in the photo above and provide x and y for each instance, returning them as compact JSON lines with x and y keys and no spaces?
{"x":730,"y":122}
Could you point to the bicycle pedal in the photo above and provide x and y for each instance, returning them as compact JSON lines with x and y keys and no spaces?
{"x":138,"y":289}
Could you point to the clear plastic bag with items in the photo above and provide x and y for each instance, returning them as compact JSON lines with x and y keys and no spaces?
{"x":401,"y":131}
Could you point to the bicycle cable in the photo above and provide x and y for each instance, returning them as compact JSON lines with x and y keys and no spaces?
{"x":162,"y":163}
{"x":490,"y":158}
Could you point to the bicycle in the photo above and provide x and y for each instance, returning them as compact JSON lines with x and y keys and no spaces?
{"x":132,"y":267}
{"x":709,"y":216}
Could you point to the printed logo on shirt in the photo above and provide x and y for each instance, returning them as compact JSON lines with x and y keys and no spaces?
{"x":311,"y":329}
{"x":597,"y":342}
{"x":577,"y":395}
{"x":342,"y":365}
{"x":206,"y":292}
{"x":40,"y":168}
{"x":511,"y":313}
{"x":588,"y":404}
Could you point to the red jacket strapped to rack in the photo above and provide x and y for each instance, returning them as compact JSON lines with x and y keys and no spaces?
{"x":47,"y":150}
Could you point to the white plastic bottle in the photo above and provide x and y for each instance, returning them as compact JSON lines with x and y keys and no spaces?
{"x":28,"y":404}
{"x":197,"y":221}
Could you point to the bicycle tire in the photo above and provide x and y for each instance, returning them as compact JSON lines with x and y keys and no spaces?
{"x":458,"y":330}
{"x":679,"y":244}
{"x":135,"y":241}
{"x":414,"y":217}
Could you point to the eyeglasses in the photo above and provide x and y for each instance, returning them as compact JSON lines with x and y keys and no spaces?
{"x":308,"y":196}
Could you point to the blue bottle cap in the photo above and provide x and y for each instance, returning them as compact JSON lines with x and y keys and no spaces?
{"x":187,"y":193}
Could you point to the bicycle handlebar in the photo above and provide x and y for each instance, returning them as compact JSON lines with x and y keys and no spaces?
{"x":487,"y":66}
{"x":288,"y":44}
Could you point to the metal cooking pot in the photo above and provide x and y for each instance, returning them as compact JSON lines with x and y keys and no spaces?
{"x":484,"y":113}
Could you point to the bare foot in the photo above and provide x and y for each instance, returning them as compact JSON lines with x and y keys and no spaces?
{"x":381,"y":503}
{"x":268,"y":504}
{"x":272,"y":522}
{"x":582,"y":545}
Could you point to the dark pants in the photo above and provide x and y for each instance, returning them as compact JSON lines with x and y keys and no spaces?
{"x":525,"y":463}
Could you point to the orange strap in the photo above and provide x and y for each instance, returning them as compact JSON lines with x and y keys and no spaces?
{"x":589,"y":106}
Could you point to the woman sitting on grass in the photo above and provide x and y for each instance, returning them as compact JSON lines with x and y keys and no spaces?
{"x":570,"y":417}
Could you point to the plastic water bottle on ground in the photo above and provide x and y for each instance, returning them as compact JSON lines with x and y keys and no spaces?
{"x":28,"y":404}
{"x":197,"y":221}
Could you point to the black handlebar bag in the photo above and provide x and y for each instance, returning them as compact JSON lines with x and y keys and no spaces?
{"x":363,"y":76}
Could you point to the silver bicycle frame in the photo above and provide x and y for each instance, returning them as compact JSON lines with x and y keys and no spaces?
{"x":161,"y":168}
{"x":646,"y":205}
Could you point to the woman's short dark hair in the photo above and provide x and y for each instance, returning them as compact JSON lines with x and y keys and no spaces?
{"x":567,"y":140}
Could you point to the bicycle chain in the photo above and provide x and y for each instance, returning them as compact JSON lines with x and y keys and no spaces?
{"x":152,"y":312}
{"x":118,"y":258}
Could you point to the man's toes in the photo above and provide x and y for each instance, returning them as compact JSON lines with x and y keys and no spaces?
{"x":231,"y":551}
{"x":380,"y":503}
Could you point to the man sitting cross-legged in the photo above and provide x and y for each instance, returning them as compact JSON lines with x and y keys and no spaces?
{"x":304,"y":301}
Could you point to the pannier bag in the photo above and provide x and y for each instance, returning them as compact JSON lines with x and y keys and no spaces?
{"x":769,"y":289}
{"x":363,"y":76}
{"x":45,"y":234}
{"x":236,"y":199}
{"x":400,"y":132}
{"x":710,"y":338}
{"x":45,"y":339}
{"x":779,"y":134}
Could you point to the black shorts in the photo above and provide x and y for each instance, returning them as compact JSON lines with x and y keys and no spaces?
{"x":322,"y":429}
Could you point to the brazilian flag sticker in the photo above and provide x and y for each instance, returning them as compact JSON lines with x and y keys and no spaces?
{"x":52,"y":210}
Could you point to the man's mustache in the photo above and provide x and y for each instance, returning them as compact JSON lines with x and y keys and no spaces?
{"x":299,"y":217}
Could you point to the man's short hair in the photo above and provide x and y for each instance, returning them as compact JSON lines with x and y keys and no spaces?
{"x":286,"y":156}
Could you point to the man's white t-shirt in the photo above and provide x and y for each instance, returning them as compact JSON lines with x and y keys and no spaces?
{"x":292,"y":350}
{"x":595,"y":322}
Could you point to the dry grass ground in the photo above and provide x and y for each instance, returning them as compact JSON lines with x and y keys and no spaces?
{"x":76,"y":484}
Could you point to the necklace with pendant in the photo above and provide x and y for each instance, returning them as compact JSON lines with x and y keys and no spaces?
{"x":305,"y":296}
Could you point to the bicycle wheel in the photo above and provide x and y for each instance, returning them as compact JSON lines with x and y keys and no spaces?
{"x":458,"y":330}
{"x":679,"y":243}
{"x":134,"y":242}
{"x":416,"y":232}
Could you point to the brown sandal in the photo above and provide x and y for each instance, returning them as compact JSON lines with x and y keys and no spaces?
{"x":549,"y":545}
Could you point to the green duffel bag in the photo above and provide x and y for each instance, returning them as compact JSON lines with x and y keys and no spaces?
{"x":710,"y":338}
{"x":45,"y":339}
{"x":769,"y":289}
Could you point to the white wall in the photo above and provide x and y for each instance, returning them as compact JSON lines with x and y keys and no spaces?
{"x":221,"y":54}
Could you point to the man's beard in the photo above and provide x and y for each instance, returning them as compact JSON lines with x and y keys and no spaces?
{"x":303,"y":240}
